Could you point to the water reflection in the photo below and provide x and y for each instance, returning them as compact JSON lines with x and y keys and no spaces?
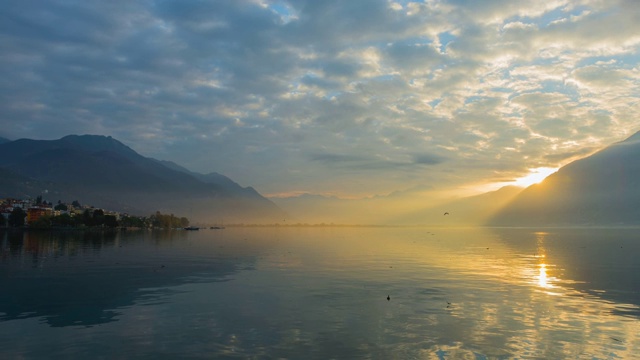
{"x":87,"y":278}
{"x":598,"y":263}
{"x":543,"y":281}
{"x":322,"y":293}
{"x":542,"y":278}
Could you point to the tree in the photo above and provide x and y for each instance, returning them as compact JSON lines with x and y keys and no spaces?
{"x":87,"y":218}
{"x":61,"y":207}
{"x":64,"y":220}
{"x":98,"y":217}
{"x":110,"y":221}
{"x":132,"y":221}
{"x":16,"y":218}
{"x":159,"y":220}
{"x":76,"y":204}
{"x":43,"y":222}
{"x":156,"y":221}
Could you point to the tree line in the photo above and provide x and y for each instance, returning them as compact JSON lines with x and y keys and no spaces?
{"x":94,"y":218}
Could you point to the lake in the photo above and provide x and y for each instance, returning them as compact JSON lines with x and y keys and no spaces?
{"x":321,"y":293}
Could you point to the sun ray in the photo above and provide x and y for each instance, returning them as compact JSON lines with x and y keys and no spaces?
{"x":535,"y":176}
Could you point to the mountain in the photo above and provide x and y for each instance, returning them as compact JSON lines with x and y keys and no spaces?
{"x":103,"y":172}
{"x":412,"y":207}
{"x":467,"y":211}
{"x":317,"y":209}
{"x":19,"y":186}
{"x":3,"y":140}
{"x":215,"y":178}
{"x":602,"y":189}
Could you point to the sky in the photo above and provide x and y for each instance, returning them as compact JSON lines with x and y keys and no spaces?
{"x":352,"y":99}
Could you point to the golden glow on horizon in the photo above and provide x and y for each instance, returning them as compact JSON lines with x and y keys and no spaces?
{"x":535,"y":176}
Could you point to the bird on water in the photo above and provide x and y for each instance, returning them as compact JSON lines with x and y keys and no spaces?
{"x":388,"y":298}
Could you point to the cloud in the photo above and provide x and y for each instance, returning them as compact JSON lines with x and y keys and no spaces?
{"x":336,"y":158}
{"x":377,"y":162}
{"x":285,"y":95}
{"x":427,"y":159}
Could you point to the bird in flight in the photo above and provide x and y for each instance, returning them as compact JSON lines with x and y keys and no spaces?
{"x":446,"y":213}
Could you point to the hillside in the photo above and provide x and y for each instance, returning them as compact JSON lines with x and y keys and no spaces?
{"x":602,"y":189}
{"x":102,"y":171}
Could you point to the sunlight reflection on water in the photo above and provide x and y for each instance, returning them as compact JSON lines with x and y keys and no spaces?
{"x":322,"y":293}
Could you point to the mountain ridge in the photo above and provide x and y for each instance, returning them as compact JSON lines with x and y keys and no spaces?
{"x":601,"y":189}
{"x":104,"y":172}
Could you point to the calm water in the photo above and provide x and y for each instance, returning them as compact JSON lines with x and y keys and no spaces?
{"x":321,"y":294}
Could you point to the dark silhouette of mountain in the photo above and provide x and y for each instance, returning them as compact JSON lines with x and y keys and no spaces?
{"x":102,"y":171}
{"x":20,"y":186}
{"x":93,"y":162}
{"x":602,"y":189}
{"x":215,"y":178}
{"x":3,"y":140}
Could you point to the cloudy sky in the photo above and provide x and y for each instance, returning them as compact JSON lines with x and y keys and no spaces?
{"x":348,"y":98}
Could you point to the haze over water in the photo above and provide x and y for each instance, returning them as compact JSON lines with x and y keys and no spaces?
{"x":321,"y":293}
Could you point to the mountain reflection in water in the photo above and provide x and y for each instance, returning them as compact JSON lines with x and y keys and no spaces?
{"x":83,"y":278}
{"x":321,"y":293}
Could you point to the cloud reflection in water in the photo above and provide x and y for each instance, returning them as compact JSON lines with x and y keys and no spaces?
{"x":470,"y":293}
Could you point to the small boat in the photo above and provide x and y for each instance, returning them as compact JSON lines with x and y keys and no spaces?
{"x":217,"y":227}
{"x":192,"y":228}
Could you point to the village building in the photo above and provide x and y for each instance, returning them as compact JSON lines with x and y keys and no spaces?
{"x":35,"y":213}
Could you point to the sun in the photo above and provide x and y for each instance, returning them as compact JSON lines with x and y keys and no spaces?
{"x":535,"y":176}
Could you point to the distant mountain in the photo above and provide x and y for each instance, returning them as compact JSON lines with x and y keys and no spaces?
{"x":316,"y":209}
{"x":397,"y":208}
{"x":602,"y":189}
{"x":102,"y":171}
{"x":3,"y":140}
{"x":219,"y":180}
{"x":467,"y":211}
